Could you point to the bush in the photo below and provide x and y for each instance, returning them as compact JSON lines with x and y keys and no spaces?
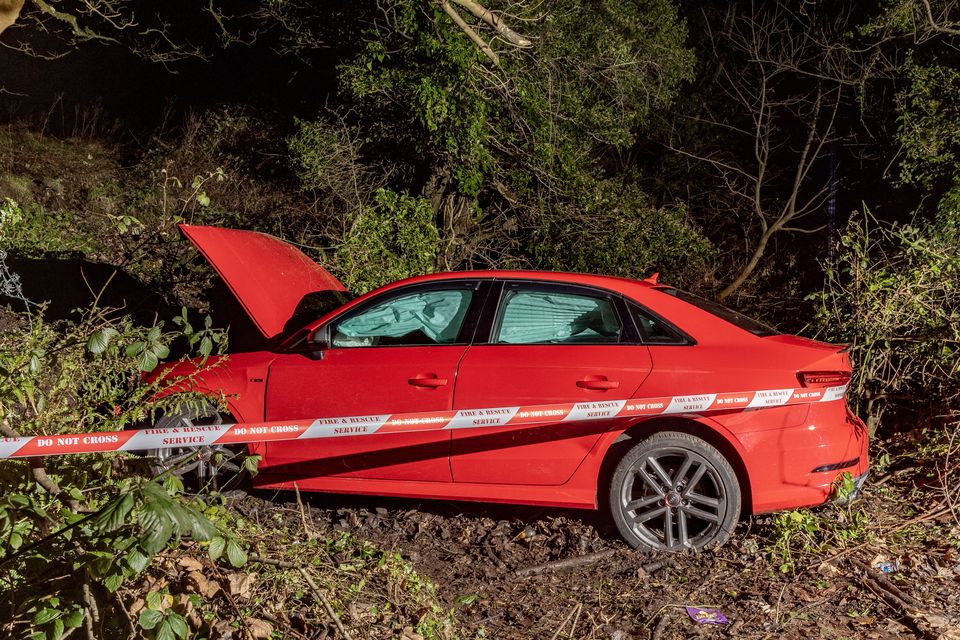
{"x":617,"y":231}
{"x":393,"y":239}
{"x":894,"y":295}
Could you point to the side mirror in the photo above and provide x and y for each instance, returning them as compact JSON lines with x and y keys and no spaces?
{"x":318,"y":342}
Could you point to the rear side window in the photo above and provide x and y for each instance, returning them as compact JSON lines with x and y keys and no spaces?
{"x":653,"y":330}
{"x":733,"y":317}
{"x":543,"y":317}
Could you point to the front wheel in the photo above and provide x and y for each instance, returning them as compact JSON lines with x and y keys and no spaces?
{"x":674,"y":491}
{"x":200,"y":468}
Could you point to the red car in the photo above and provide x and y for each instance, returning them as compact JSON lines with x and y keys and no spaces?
{"x":478,"y":339}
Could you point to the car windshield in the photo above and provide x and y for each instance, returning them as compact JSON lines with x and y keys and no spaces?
{"x":736,"y":318}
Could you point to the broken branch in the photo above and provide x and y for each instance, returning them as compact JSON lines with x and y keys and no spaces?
{"x":467,"y":29}
{"x":494,"y":21}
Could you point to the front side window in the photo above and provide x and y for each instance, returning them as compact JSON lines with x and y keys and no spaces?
{"x":543,"y":317}
{"x":422,"y":318}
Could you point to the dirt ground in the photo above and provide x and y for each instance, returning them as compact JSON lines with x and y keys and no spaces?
{"x":491,"y":565}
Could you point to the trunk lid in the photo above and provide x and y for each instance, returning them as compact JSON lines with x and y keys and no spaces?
{"x":800,"y":341}
{"x":813,"y":358}
{"x":270,"y":278}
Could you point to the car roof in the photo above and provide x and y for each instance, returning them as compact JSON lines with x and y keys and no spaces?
{"x":608,"y":282}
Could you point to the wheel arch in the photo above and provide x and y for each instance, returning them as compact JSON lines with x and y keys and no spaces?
{"x":707,"y":430}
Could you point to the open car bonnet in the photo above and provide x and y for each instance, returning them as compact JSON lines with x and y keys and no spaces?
{"x":269,"y":277}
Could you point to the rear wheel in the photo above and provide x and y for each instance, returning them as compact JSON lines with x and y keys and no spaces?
{"x":674,"y":491}
{"x":200,"y":468}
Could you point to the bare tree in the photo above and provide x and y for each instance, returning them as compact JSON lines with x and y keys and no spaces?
{"x":104,"y":20}
{"x":782,"y":79}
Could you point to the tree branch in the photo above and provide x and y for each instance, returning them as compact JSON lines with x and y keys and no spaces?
{"x":934,"y":25}
{"x":494,"y":21}
{"x":467,"y":29}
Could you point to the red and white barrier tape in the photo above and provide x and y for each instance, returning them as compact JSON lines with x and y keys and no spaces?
{"x":247,"y":432}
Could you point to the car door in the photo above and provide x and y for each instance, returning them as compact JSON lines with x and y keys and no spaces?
{"x":397,"y":352}
{"x":545,"y":343}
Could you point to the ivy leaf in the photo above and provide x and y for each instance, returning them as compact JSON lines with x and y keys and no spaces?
{"x":203,"y":199}
{"x":250,"y":464}
{"x":147,"y":360}
{"x":235,"y":554}
{"x":135,"y":348}
{"x":113,"y":582}
{"x":44,"y":616}
{"x":100,"y":340}
{"x":173,"y":485}
{"x":217,"y":545}
{"x":161,"y":350}
{"x":73,"y":619}
{"x":149,"y":618}
{"x":206,"y":346}
{"x":115,"y":514}
{"x":178,"y":625}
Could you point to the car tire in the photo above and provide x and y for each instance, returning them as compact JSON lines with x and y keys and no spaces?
{"x":200,"y":468}
{"x":673,"y":492}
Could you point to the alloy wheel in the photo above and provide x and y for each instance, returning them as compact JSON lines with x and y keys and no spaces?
{"x":674,"y":492}
{"x":199,"y":467}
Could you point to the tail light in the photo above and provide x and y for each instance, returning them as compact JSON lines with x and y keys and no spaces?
{"x":823,"y":378}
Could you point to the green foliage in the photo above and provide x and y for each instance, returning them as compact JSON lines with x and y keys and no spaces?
{"x":894,"y":295}
{"x":618,"y":232}
{"x":393,"y":239}
{"x":512,"y":150}
{"x":68,"y":522}
{"x":416,"y":82}
{"x":929,"y":118}
{"x":803,"y":532}
{"x":30,"y":231}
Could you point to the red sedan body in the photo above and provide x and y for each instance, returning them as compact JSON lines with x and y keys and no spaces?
{"x":492,"y":339}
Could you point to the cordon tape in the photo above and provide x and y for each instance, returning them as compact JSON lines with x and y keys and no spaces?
{"x":365,"y":425}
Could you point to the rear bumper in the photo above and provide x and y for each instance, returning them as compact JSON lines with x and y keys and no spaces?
{"x":798,"y":466}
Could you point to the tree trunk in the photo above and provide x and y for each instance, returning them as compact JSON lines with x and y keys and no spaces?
{"x":9,"y":12}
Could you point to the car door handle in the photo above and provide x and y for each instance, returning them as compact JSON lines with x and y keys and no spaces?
{"x":429,"y":382}
{"x":598,"y":382}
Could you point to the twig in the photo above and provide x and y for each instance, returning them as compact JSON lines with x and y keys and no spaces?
{"x":303,"y":516}
{"x":929,"y":515}
{"x":653,"y":567}
{"x":886,"y":585}
{"x":123,"y":608}
{"x":661,"y":626}
{"x":93,"y":612}
{"x":233,"y":604}
{"x":556,"y":634}
{"x":576,"y":619}
{"x":491,"y":552}
{"x":895,"y":599}
{"x":566,"y":563}
{"x":313,"y":587}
